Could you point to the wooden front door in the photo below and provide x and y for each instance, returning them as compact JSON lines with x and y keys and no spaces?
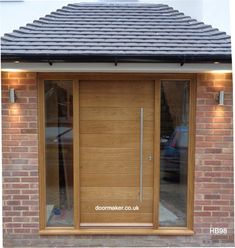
{"x":116,"y":152}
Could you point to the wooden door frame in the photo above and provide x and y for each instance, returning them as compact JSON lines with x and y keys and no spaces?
{"x":156,"y":230}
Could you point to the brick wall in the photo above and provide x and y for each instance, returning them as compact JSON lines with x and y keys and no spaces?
{"x":213,"y":170}
{"x":214,"y":157}
{"x":20,"y":156}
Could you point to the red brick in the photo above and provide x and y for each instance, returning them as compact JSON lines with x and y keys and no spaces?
{"x":29,"y":213}
{"x":13,"y":225}
{"x":20,"y":197}
{"x":19,"y":149}
{"x":21,"y":208}
{"x":11,"y":213}
{"x":17,"y":75}
{"x":220,"y":214}
{"x":22,"y":230}
{"x":19,"y":125}
{"x":212,"y":162}
{"x":29,"y":179}
{"x":11,"y":179}
{"x":33,"y":225}
{"x":210,"y":208}
{"x":20,"y":185}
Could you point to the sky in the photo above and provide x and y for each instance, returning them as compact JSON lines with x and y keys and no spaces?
{"x":14,"y":14}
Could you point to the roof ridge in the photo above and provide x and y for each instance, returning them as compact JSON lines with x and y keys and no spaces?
{"x":116,"y":4}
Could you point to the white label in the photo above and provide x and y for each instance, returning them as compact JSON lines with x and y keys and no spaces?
{"x":218,"y":231}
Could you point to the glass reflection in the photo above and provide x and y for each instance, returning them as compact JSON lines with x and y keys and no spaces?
{"x":59,"y":152}
{"x":174,"y":153}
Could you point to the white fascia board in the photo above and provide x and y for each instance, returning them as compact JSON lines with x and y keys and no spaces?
{"x":120,"y":67}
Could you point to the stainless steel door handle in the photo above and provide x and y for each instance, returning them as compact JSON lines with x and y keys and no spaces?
{"x":141,"y":151}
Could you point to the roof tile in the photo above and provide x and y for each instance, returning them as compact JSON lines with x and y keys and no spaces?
{"x":114,"y":29}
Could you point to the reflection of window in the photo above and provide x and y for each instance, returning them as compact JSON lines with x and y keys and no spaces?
{"x":59,"y":104}
{"x":174,"y":153}
{"x":59,"y":153}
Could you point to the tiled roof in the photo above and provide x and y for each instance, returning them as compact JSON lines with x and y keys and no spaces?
{"x":135,"y":30}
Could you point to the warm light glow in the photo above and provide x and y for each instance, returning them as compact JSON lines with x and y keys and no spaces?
{"x":14,"y":109}
{"x":221,"y":71}
{"x":13,"y":70}
{"x":219,"y":110}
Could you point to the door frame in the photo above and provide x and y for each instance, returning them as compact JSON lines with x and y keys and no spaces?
{"x":155,"y":230}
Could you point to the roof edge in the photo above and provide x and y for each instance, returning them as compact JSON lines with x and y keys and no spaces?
{"x":189,"y":58}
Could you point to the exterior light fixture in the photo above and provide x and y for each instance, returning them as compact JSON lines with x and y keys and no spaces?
{"x":12,"y":96}
{"x":220,"y":98}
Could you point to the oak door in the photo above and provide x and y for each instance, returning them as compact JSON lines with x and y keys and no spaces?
{"x":116,"y":152}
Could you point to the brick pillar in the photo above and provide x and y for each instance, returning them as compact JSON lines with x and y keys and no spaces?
{"x":20,"y":154}
{"x":214,"y":157}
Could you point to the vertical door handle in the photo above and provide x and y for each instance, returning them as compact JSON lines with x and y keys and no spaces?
{"x":141,"y":151}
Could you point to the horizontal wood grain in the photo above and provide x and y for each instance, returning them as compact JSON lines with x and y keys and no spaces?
{"x":117,"y":87}
{"x":114,"y":127}
{"x":113,"y":154}
{"x":118,"y":231}
{"x":114,"y":140}
{"x":114,"y":167}
{"x":115,"y":193}
{"x":114,"y":180}
{"x":108,"y":113}
{"x":116,"y":217}
{"x":119,"y":101}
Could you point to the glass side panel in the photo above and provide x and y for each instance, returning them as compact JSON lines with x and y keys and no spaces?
{"x":58,"y":97}
{"x":174,"y":153}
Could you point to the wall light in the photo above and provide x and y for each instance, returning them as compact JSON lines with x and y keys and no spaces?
{"x":12,"y":70}
{"x":220,"y":98}
{"x":12,"y":96}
